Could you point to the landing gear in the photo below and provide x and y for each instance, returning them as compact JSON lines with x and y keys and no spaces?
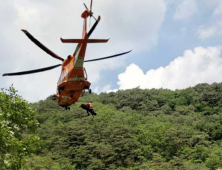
{"x":67,"y":108}
{"x":63,"y":107}
{"x":54,"y":97}
{"x":87,"y":88}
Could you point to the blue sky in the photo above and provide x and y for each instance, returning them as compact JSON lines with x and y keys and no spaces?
{"x":174,"y":37}
{"x":176,"y":44}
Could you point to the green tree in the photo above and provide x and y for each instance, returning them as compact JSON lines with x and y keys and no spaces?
{"x":17,"y":128}
{"x":134,"y":129}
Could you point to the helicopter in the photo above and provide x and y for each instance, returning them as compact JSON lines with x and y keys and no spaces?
{"x":73,"y":81}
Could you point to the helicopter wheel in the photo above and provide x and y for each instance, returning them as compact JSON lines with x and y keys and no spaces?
{"x":54,"y":97}
{"x":67,"y":108}
{"x":90,"y":91}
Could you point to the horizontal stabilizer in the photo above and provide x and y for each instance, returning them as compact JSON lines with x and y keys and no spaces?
{"x":84,"y":40}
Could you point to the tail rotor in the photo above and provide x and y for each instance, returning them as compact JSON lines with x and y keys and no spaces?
{"x":91,"y":13}
{"x":90,"y":10}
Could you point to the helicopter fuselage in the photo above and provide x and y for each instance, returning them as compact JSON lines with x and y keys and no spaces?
{"x":71,"y":83}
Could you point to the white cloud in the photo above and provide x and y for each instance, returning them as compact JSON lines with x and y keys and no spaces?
{"x":218,"y":10}
{"x":185,"y":9}
{"x":107,"y":88}
{"x":215,"y":28}
{"x":133,"y":25}
{"x":203,"y":65}
{"x":206,"y":33}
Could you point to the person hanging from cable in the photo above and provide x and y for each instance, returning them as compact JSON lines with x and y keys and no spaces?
{"x":88,"y":107}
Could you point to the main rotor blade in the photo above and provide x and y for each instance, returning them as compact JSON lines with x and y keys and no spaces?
{"x":40,"y":45}
{"x":86,"y":7}
{"x":31,"y":71}
{"x":93,"y":27}
{"x":91,"y":6}
{"x":112,"y":56}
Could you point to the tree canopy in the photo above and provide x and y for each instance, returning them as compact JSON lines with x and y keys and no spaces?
{"x":17,"y":130}
{"x":156,"y":129}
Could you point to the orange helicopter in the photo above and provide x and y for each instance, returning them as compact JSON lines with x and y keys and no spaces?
{"x":73,"y":79}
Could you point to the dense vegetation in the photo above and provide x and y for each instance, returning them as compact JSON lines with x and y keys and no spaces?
{"x":17,"y":128}
{"x":134,"y":129}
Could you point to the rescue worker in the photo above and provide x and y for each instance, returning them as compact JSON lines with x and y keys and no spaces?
{"x":90,"y":109}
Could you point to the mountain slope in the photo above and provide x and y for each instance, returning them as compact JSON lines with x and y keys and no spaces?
{"x":133,"y":129}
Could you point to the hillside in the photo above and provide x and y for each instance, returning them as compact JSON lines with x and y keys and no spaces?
{"x":134,"y":129}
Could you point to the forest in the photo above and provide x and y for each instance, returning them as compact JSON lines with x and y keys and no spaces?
{"x":150,"y":129}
